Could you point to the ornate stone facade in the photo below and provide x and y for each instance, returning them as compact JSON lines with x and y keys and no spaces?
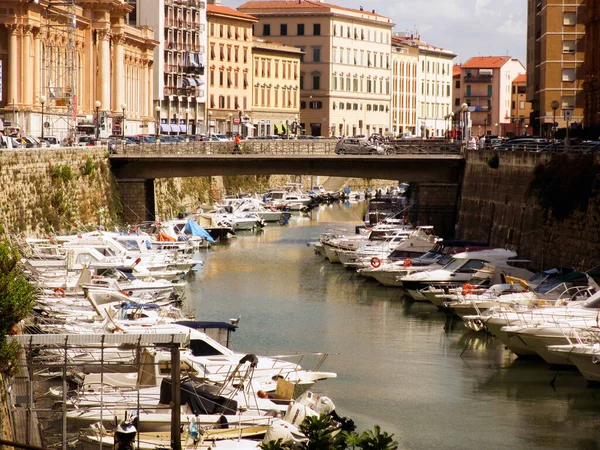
{"x":58,"y":60}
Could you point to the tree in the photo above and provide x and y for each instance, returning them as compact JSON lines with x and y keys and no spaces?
{"x":17,"y":297}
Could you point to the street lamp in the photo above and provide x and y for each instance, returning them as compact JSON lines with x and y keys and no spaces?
{"x":42,"y":101}
{"x":187,"y":121}
{"x":97,"y":104}
{"x":231,"y":123}
{"x":464,"y":108}
{"x":554,"y":105}
{"x":123,"y":107}
{"x":209,"y":124}
{"x":157,"y":109}
{"x":497,"y":129}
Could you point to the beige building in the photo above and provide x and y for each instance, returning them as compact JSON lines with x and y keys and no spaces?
{"x":276,"y":88}
{"x":179,"y":90}
{"x":555,"y":57}
{"x":59,"y":75}
{"x":229,"y":101}
{"x":486,"y":87}
{"x":405,"y":84}
{"x":345,"y":73}
{"x":520,"y":108}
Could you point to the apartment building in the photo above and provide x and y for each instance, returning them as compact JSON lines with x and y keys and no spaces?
{"x":229,"y":101}
{"x":555,"y":55}
{"x":179,"y":91}
{"x":434,"y":71}
{"x":486,"y":87}
{"x":276,"y":88}
{"x":405,"y":83}
{"x":345,"y":73}
{"x":51,"y":83}
{"x":520,"y":108}
{"x":591,"y":84}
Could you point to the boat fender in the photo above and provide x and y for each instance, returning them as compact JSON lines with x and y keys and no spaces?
{"x":124,"y":293}
{"x":467,"y":289}
{"x":59,"y":292}
{"x":407,"y":262}
{"x":262,"y":394}
{"x":375,"y":262}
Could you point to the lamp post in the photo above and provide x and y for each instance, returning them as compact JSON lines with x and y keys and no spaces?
{"x":554,"y":105}
{"x":231,"y":123}
{"x":42,"y":102}
{"x":187,"y":121}
{"x":497,"y":129}
{"x":464,"y":108}
{"x":209,"y":124}
{"x":123,"y":107}
{"x":97,"y":104}
{"x":157,"y":109}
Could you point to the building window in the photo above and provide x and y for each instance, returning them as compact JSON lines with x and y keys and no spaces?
{"x":316,"y":54}
{"x":302,"y":54}
{"x":569,"y":46}
{"x":316,"y":105}
{"x":521,"y":105}
{"x":457,"y":101}
{"x":568,"y":102}
{"x":302,"y":104}
{"x":569,"y":18}
{"x":222,"y":101}
{"x":300,"y":29}
{"x":489,"y":90}
{"x":266,"y":29}
{"x":316,"y":81}
{"x":335,"y":84}
{"x":221,"y":78}
{"x":316,"y":29}
{"x":283,"y":29}
{"x":468,"y":90}
{"x":568,"y":74}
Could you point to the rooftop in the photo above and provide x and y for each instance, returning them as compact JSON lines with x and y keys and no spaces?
{"x":486,"y":62}
{"x":225,"y":11}
{"x":521,"y":78}
{"x":298,"y":5}
{"x":456,"y":70}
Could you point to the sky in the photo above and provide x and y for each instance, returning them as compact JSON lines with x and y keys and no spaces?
{"x":467,"y":27}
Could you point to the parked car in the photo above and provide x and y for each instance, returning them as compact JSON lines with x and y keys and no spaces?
{"x":52,"y":141}
{"x":83,"y":141}
{"x":522,"y":143}
{"x":220,"y":138}
{"x":358,"y":147}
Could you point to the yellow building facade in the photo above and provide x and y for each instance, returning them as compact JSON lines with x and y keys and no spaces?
{"x":405,"y":82}
{"x":63,"y":62}
{"x":229,"y":92}
{"x":276,"y":88}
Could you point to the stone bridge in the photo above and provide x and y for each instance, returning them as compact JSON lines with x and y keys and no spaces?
{"x":433,"y":163}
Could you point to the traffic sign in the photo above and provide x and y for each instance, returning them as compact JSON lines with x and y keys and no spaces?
{"x":568,"y":115}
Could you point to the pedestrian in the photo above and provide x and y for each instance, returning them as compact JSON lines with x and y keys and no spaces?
{"x":482,"y":142}
{"x":473,"y":143}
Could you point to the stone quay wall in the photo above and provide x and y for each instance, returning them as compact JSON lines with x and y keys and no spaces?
{"x":48,"y":189}
{"x":495,"y":207}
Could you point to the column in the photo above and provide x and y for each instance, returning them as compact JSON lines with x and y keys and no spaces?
{"x":27,"y":78}
{"x":119,"y":73}
{"x":103,"y":80}
{"x":150,"y":84}
{"x":37,"y":61}
{"x":13,"y":65}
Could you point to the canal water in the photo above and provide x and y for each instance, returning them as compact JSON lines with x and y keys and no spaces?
{"x":401,"y":365}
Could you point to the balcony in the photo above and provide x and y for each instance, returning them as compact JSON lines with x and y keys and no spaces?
{"x":484,"y":95}
{"x":478,"y":78}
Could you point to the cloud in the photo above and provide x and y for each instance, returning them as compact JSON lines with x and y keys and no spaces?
{"x":467,"y":27}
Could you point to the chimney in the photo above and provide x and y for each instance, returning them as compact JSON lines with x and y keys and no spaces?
{"x":361,"y":8}
{"x":373,"y":11}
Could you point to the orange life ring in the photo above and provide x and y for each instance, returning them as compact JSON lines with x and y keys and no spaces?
{"x":407,"y":262}
{"x":375,"y":262}
{"x":467,"y":289}
{"x":59,"y":292}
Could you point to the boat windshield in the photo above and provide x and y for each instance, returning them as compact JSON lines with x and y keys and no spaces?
{"x":464,"y":265}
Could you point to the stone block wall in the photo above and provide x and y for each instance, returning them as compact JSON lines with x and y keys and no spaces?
{"x":55,"y":188}
{"x":435,"y":204}
{"x":495,"y":207}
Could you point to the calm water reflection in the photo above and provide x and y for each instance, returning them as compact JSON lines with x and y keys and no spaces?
{"x":401,"y":365}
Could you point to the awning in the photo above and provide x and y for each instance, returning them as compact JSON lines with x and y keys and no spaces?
{"x":165,"y":128}
{"x":275,"y":128}
{"x":284,"y":129}
{"x":250,"y":126}
{"x":174,"y":128}
{"x":200,"y":81}
{"x":183,"y":128}
{"x":189,"y":81}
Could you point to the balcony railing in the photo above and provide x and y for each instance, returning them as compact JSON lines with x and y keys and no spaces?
{"x":478,"y":78}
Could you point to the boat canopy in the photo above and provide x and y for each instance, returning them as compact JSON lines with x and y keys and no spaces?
{"x":194,"y":229}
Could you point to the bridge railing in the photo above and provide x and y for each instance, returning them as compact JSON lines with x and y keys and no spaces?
{"x":278,"y":147}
